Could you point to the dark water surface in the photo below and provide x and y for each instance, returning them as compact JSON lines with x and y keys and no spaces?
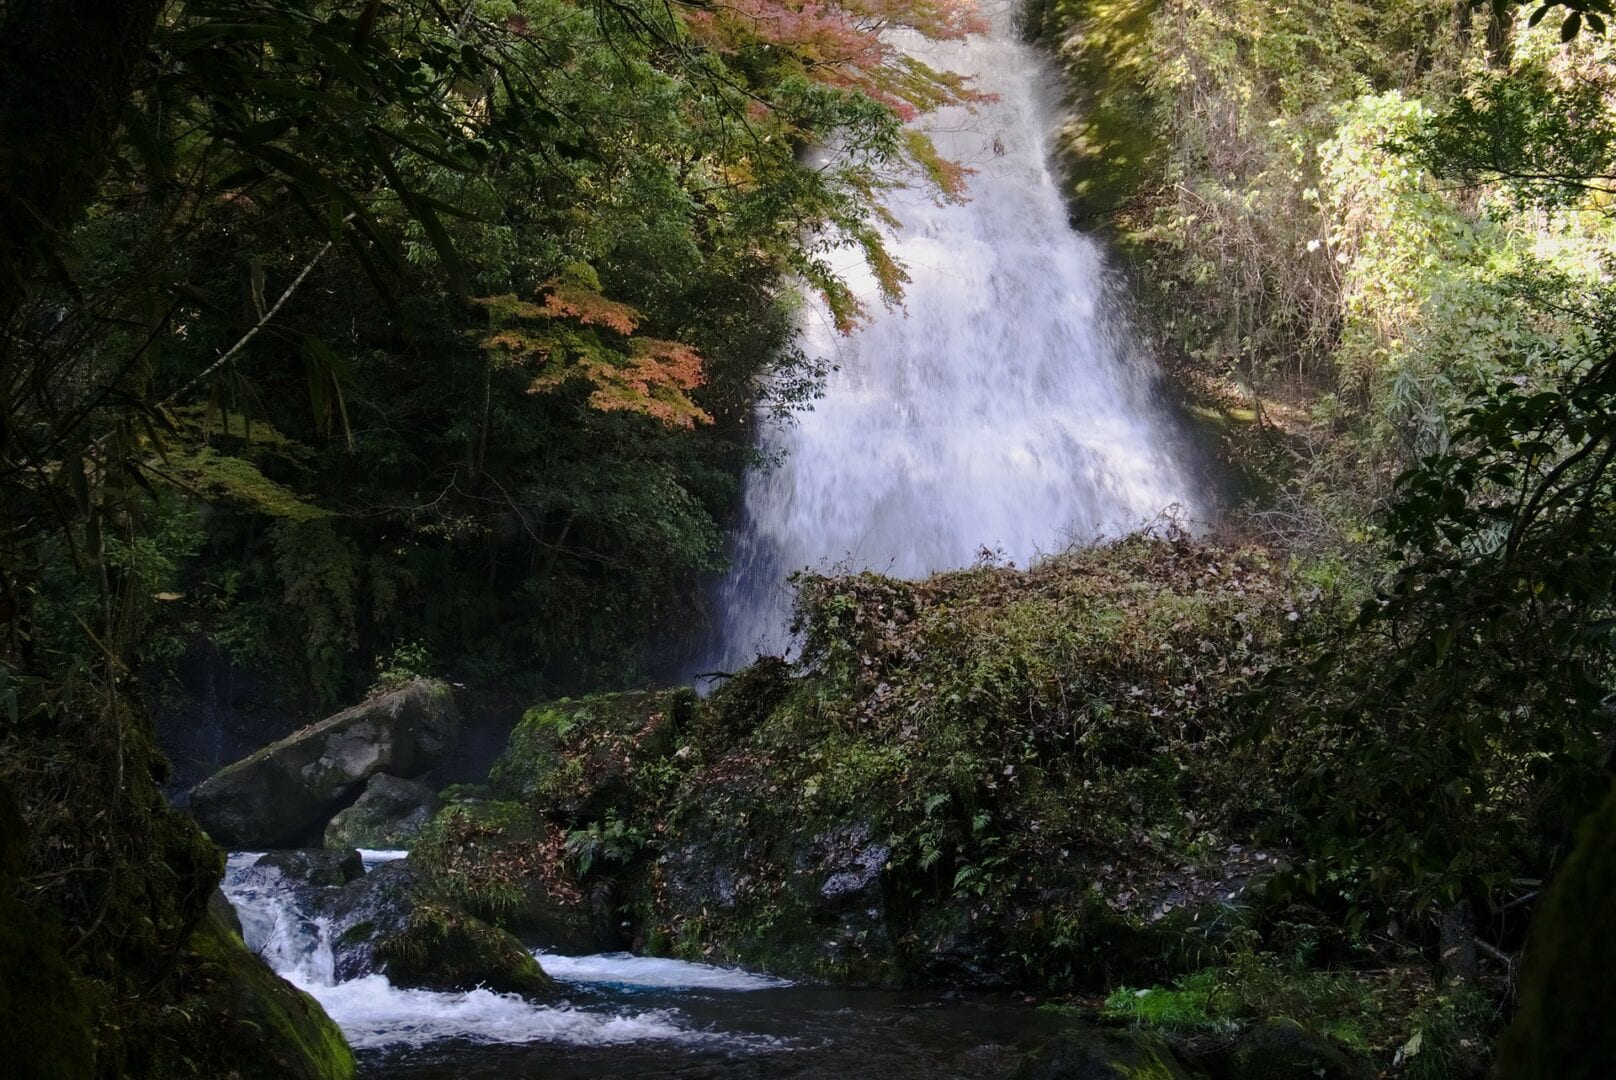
{"x":791,"y":1031}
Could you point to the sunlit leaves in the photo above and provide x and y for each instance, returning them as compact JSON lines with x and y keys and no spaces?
{"x":575,"y":334}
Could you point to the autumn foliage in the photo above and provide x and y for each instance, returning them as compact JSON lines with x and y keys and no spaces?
{"x":573,"y":333}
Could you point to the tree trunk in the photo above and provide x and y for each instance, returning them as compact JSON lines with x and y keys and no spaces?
{"x":1458,"y":945}
{"x":65,"y":73}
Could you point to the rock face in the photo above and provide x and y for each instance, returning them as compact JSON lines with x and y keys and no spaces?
{"x":289,"y":789}
{"x":387,"y":922}
{"x":388,"y":815}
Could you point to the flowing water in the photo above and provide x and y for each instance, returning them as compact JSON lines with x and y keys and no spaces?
{"x":1008,"y":407}
{"x":623,"y":1015}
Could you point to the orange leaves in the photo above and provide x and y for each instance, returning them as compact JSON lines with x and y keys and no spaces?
{"x":842,"y":43}
{"x":589,"y":307}
{"x":576,"y":334}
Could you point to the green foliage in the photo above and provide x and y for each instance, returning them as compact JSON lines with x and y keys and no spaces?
{"x":1450,"y":733}
{"x":318,"y":569}
{"x":1550,"y":144}
{"x":407,"y":662}
{"x":609,"y":843}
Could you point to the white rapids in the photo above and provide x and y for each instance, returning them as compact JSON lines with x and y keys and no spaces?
{"x":375,"y":1014}
{"x":1009,"y":407}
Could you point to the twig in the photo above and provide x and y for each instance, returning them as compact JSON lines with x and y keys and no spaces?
{"x":263,"y":321}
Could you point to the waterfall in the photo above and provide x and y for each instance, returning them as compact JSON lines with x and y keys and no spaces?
{"x":1008,"y":407}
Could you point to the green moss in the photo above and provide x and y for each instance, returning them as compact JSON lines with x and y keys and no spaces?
{"x":47,"y":1031}
{"x":237,"y":1017}
{"x":1563,"y":1028}
{"x":443,"y":948}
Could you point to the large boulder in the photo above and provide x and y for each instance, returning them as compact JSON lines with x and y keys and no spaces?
{"x":388,"y":815}
{"x":500,"y":861}
{"x":253,"y":1022}
{"x":388,"y":922}
{"x":288,"y":790}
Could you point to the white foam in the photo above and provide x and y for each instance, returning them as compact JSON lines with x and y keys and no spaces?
{"x":374,"y":1013}
{"x":626,"y":969}
{"x":374,"y":857}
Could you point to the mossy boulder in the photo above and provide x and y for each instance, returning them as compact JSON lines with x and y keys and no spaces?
{"x":391,"y":922}
{"x":45,"y":1026}
{"x":1285,"y":1050}
{"x":287,"y":791}
{"x":577,"y":758}
{"x":442,"y":948}
{"x":1103,"y":1054}
{"x":389,"y":814}
{"x":238,"y":1018}
{"x":1563,"y":1028}
{"x":502,"y":861}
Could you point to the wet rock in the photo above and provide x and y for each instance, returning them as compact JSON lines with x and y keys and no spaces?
{"x":1103,"y":1054}
{"x":289,"y":789}
{"x":389,"y":814}
{"x":254,"y":1022}
{"x":849,"y":865}
{"x":1285,"y":1050}
{"x":310,"y":868}
{"x":388,"y":923}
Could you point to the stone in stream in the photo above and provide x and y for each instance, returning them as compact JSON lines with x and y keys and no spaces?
{"x":388,"y":815}
{"x":288,"y":790}
{"x":387,"y":922}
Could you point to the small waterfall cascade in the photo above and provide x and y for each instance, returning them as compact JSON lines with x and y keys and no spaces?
{"x":1008,"y":407}
{"x":288,"y":932}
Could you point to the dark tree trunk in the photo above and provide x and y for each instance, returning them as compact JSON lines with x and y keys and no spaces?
{"x":1458,"y":944}
{"x":65,"y":72}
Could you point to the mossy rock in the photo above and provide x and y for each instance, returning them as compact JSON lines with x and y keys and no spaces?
{"x":1102,"y":1054}
{"x":287,"y":791}
{"x":388,"y":815}
{"x":576,"y":758}
{"x":1285,"y":1050}
{"x":45,"y":1029}
{"x":393,"y":922}
{"x":1563,"y":1028}
{"x":500,"y":861}
{"x":745,"y":701}
{"x":444,"y":949}
{"x":238,"y":1018}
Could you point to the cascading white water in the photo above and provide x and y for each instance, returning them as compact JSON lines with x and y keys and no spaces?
{"x":1007,"y":408}
{"x":374,"y":1014}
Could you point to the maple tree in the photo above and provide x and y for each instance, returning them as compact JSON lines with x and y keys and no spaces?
{"x":575,"y":333}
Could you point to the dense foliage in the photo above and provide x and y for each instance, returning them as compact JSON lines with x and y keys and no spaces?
{"x":346,"y":337}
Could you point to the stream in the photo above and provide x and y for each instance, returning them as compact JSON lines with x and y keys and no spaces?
{"x":621,"y":1015}
{"x":1008,"y":408}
